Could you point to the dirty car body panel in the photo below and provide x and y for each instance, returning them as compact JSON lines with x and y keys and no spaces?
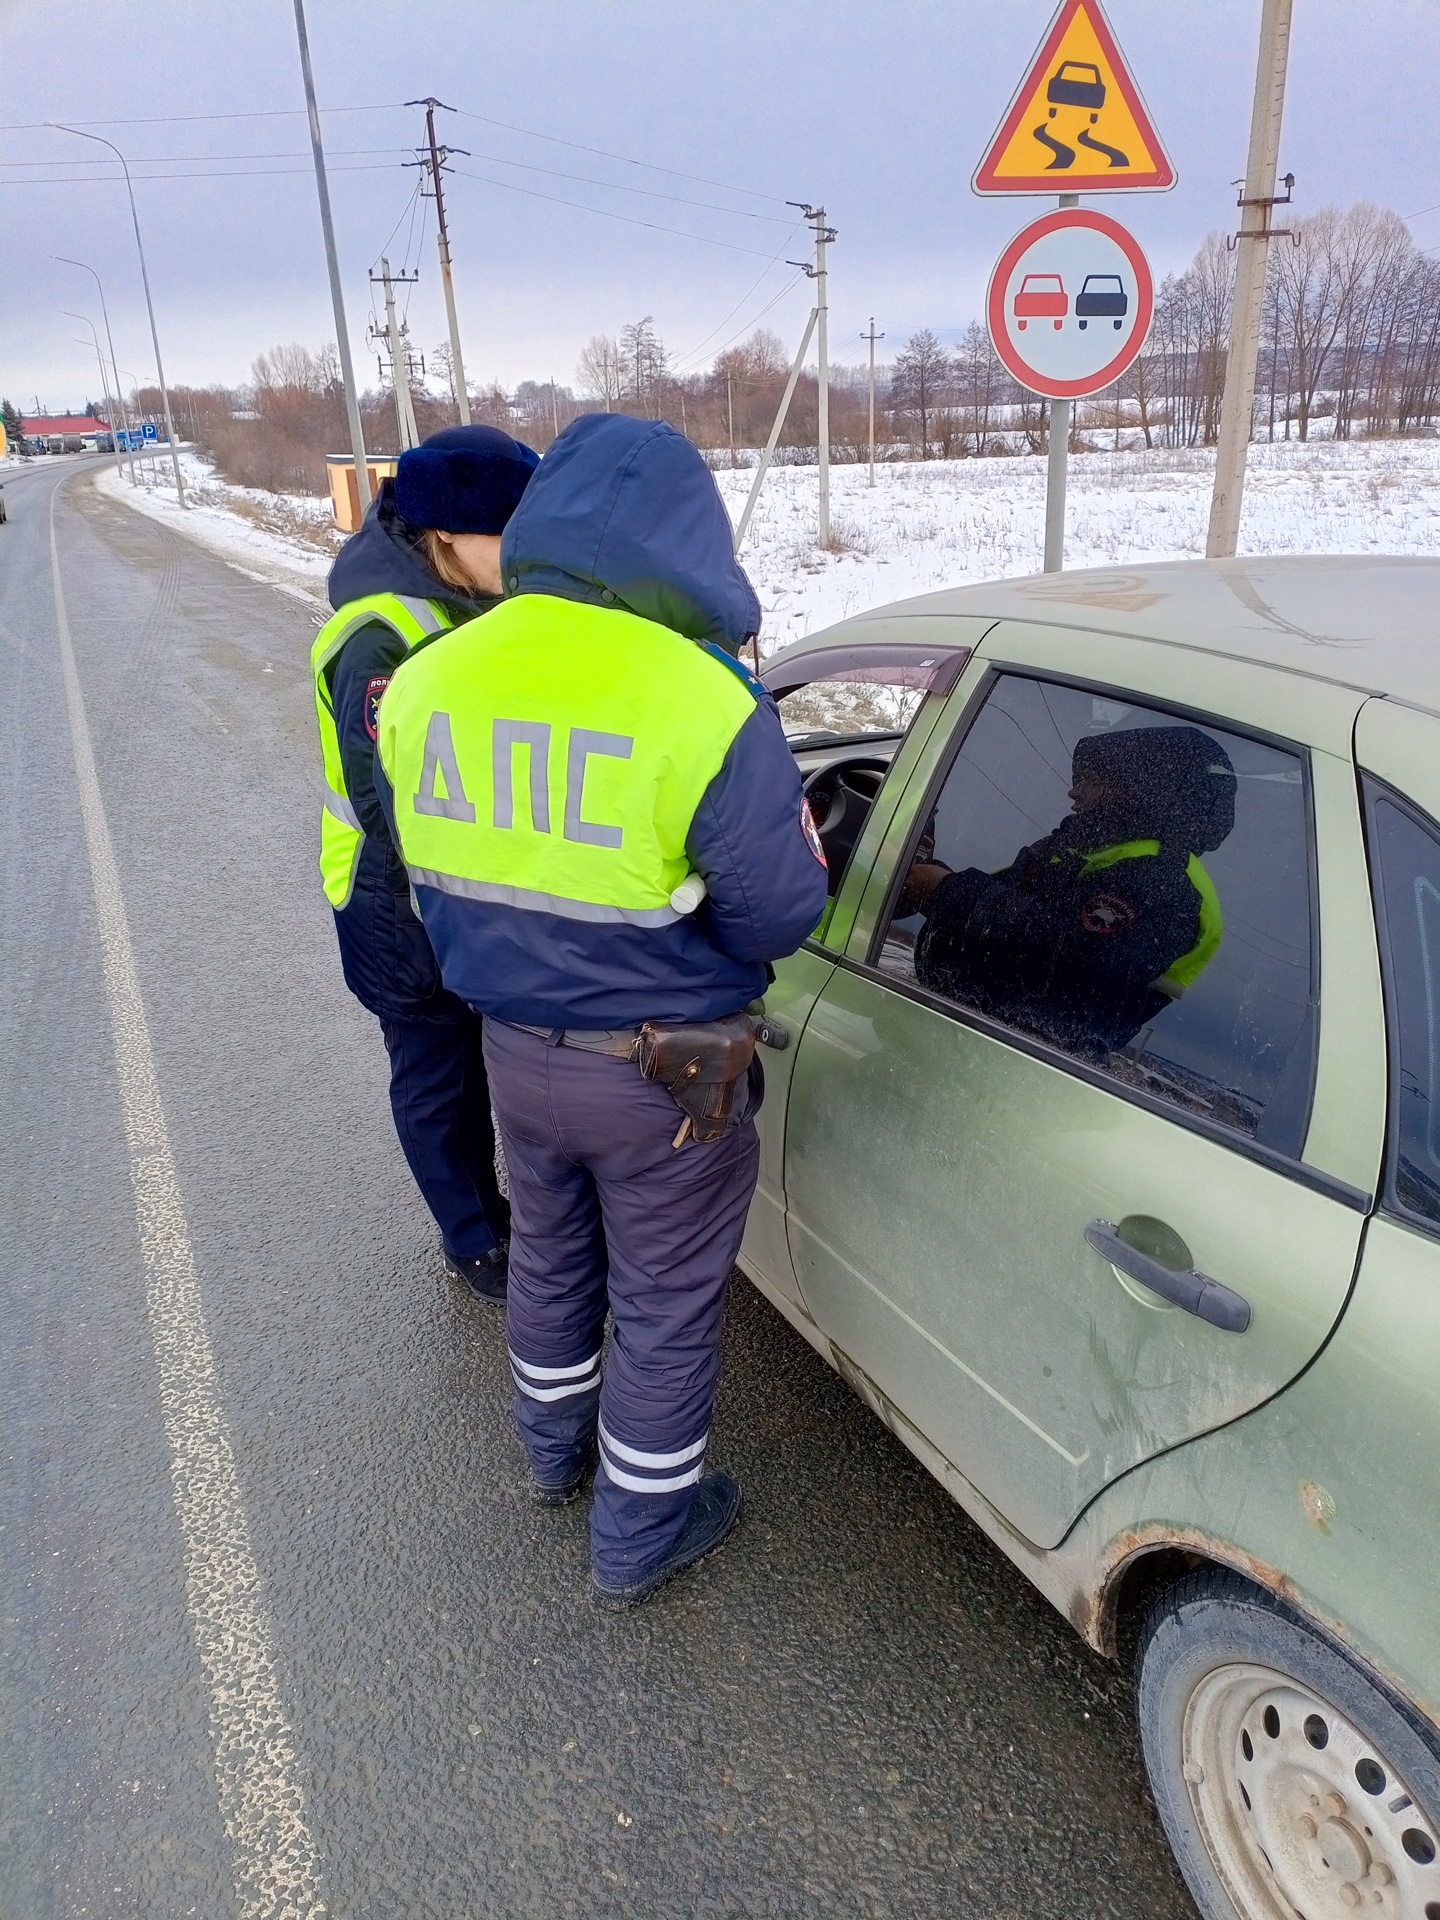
{"x":935,"y":1169}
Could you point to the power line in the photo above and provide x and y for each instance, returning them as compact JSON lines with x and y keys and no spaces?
{"x":615,"y":186}
{"x":186,"y":119}
{"x":533,"y":193}
{"x":387,"y":106}
{"x":774,"y":261}
{"x":232,"y":173}
{"x":603,"y":153}
{"x":185,"y":159}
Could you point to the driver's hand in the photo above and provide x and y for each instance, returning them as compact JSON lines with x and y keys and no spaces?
{"x":921,"y":885}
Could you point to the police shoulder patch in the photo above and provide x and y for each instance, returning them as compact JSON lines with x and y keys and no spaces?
{"x":1108,"y":913}
{"x":374,"y":694}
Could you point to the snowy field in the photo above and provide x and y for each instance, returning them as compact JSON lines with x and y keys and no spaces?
{"x":937,"y":524}
{"x":943,"y":523}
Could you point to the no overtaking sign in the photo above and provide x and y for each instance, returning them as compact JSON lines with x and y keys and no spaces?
{"x":1070,"y":303}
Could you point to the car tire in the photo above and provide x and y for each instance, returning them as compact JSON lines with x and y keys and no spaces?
{"x":1286,"y":1779}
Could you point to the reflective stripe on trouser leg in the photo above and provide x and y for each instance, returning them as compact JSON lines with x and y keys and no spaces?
{"x":556,"y":1306}
{"x":673,"y":1238}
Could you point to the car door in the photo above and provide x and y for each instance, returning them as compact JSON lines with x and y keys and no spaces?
{"x":990,"y":1191}
{"x":869,"y":697}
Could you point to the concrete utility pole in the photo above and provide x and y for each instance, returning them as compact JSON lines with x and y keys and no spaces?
{"x":149,"y":303}
{"x":819,"y":274}
{"x":780,"y":413}
{"x":872,"y":337}
{"x":730,"y":411}
{"x":1251,"y":266}
{"x":436,"y":164}
{"x":337,"y":297}
{"x":394,"y":336}
{"x":119,"y":394}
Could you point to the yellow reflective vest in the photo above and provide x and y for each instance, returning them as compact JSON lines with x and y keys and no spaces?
{"x":341,"y":835}
{"x":552,"y":756}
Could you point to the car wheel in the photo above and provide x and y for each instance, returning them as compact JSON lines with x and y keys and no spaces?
{"x":1287,"y":1781}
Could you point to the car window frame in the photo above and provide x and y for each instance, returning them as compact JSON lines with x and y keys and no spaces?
{"x":866,"y":964}
{"x":1374,"y":789}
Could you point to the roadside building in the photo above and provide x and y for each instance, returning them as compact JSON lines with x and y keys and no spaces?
{"x":66,"y":433}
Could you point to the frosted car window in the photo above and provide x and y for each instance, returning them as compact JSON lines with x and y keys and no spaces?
{"x":1131,"y":887}
{"x":1405,"y":872}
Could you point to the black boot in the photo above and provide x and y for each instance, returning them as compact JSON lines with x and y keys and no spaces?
{"x":485,"y":1276}
{"x":711,"y":1520}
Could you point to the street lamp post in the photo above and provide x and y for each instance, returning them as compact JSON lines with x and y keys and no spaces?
{"x":104,"y":379}
{"x":149,"y":303}
{"x":65,"y":260}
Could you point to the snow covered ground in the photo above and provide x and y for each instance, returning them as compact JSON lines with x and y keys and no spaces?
{"x":936,"y":524}
{"x":286,"y":539}
{"x":943,"y":523}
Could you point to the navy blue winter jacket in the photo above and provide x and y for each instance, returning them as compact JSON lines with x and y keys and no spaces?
{"x":624,"y":511}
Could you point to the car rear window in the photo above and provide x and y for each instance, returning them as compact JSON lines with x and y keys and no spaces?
{"x":1405,"y":876}
{"x":1131,"y":886}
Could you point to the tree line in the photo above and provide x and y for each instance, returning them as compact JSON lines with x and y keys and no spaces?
{"x":1351,"y":338}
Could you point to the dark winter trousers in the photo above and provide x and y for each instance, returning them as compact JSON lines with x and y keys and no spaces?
{"x":440,"y":1097}
{"x":606,"y":1212}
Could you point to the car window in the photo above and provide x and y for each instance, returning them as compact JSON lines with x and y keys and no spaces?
{"x":1128,"y":886}
{"x":1405,"y":873}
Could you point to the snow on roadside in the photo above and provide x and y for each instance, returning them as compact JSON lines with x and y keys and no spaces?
{"x":933,"y":524}
{"x":945,"y":523}
{"x":286,"y":539}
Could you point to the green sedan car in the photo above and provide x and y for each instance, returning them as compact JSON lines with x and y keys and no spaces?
{"x":1103,"y":1159}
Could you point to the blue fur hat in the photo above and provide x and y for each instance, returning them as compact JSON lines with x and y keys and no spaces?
{"x":463,"y":479}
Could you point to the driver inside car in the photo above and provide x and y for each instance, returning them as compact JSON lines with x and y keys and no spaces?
{"x":1093,"y":930}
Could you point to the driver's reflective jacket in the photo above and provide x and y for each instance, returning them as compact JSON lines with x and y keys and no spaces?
{"x":341,"y":833}
{"x":1185,"y":971}
{"x":556,"y":770}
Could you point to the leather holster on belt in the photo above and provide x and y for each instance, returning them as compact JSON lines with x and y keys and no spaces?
{"x":701,"y":1064}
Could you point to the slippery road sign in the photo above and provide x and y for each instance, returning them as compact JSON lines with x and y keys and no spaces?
{"x":1077,"y":122}
{"x":1070,"y":303}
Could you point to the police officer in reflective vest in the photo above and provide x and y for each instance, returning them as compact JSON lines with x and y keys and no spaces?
{"x":565,"y":774}
{"x":426,"y":558}
{"x":1093,"y":931}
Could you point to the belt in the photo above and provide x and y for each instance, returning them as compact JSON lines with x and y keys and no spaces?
{"x":619,"y":1043}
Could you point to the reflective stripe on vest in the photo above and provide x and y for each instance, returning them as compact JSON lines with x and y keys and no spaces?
{"x":550,"y":759}
{"x":341,"y":835}
{"x":1189,"y":967}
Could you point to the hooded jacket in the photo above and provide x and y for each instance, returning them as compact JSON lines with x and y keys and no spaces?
{"x":386,"y":957}
{"x":623,"y":518}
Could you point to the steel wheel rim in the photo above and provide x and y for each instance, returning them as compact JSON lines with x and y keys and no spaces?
{"x":1301,"y":1813}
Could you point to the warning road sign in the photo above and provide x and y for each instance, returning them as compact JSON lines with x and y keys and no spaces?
{"x":1077,"y":123}
{"x":1070,"y":303}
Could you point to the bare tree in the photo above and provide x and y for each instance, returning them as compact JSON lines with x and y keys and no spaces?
{"x":917,"y":384}
{"x":644,"y":366}
{"x":598,"y":374}
{"x":979,"y":377}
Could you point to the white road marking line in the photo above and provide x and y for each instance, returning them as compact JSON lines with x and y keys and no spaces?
{"x":276,"y":1869}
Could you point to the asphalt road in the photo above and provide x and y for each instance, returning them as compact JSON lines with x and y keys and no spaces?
{"x":279,"y":1625}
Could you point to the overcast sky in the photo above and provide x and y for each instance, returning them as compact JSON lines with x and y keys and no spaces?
{"x":878,"y":111}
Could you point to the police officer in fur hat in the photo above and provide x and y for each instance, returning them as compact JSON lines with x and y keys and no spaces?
{"x":426,"y":559}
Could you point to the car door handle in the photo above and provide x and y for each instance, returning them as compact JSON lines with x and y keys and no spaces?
{"x":1196,"y":1292}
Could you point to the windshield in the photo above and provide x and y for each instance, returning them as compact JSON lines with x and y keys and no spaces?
{"x":860,"y":692}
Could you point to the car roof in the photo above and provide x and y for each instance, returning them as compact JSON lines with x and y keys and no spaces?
{"x":1365,"y":620}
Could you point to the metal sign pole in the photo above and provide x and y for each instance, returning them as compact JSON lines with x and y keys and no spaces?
{"x":1057,"y":471}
